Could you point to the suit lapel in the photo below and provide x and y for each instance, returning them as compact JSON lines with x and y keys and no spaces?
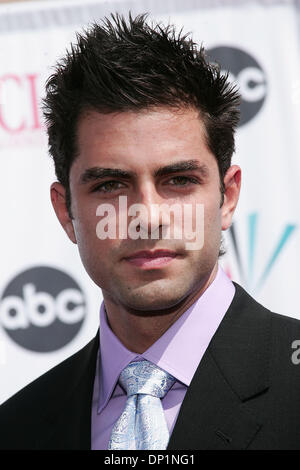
{"x":67,"y":425}
{"x":234,"y":368}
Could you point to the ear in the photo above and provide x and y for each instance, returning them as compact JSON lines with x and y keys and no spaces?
{"x":58,"y":199}
{"x":232,"y":183}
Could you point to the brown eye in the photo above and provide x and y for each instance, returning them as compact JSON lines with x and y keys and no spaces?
{"x":182,"y":180}
{"x":107,"y":186}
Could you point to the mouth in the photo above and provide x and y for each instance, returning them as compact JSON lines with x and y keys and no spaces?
{"x":151,"y":259}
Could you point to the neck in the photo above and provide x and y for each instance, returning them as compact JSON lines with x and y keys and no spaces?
{"x":138,"y":332}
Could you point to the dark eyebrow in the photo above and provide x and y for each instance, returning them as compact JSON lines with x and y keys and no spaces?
{"x":184,"y":165}
{"x":96,"y":173}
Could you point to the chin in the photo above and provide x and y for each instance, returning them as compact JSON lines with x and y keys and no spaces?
{"x":153,"y":300}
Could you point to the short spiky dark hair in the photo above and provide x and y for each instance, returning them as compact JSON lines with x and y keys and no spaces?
{"x":122,"y":65}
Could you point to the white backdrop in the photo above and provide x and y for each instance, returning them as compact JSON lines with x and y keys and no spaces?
{"x":259,"y":43}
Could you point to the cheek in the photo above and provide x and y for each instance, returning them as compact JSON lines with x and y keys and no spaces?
{"x":85,"y":215}
{"x":85,"y":229}
{"x":91,"y":246}
{"x":88,"y":243}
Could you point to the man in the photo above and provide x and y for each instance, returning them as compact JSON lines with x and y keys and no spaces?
{"x":135,"y":112}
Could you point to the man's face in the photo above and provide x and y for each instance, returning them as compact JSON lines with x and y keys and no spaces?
{"x":140,"y":143}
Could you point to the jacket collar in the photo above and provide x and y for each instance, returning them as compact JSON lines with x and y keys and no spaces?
{"x":234,"y":368}
{"x":66,"y":424}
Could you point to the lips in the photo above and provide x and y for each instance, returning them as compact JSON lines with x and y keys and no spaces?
{"x":151,"y":259}
{"x":152,"y":254}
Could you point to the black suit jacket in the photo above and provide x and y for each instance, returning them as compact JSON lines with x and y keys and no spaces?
{"x":245,"y":393}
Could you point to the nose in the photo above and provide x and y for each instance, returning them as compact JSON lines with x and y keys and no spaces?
{"x":150,"y":214}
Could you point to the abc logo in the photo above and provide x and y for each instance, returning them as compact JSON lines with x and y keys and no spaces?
{"x":42,"y":309}
{"x":249,"y":76}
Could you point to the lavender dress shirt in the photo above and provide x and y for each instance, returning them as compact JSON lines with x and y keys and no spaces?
{"x":178,"y":351}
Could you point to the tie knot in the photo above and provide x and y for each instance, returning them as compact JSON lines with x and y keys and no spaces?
{"x":145,"y":377}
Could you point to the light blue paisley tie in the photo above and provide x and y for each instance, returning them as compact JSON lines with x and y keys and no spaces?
{"x":142,"y":424}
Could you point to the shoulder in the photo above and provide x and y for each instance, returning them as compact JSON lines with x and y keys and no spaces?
{"x":243,"y":299}
{"x":250,"y":326}
{"x":69,"y":368}
{"x":270,"y":334}
{"x":27,"y":407}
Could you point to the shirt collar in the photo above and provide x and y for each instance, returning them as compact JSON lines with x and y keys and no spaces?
{"x":194,"y":329}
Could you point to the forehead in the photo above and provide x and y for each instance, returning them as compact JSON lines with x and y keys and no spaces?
{"x":146,"y":137}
